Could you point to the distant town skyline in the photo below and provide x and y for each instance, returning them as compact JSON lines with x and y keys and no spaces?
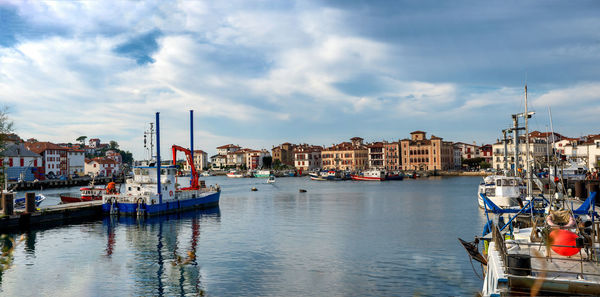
{"x":259,"y":74}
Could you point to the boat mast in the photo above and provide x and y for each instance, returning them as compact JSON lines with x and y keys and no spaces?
{"x":158,"y":186}
{"x":528,"y":164}
{"x":192,"y":140}
{"x":505,"y":140}
{"x":150,"y":150}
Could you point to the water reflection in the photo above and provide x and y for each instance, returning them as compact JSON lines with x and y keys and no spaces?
{"x":164,"y":250}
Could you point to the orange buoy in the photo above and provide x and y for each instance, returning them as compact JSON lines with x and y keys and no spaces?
{"x":563,"y":242}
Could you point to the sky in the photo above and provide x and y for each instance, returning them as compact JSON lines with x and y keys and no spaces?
{"x":260,"y":73}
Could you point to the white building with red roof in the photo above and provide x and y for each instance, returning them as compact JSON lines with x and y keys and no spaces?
{"x":54,"y":157}
{"x":101,"y":166}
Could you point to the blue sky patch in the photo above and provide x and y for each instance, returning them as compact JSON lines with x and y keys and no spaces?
{"x":140,"y":47}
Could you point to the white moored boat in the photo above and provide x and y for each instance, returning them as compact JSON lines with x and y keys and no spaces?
{"x":235,"y":174}
{"x":370,"y":175}
{"x":503,"y":191}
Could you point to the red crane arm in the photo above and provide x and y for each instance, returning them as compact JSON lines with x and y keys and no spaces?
{"x":188,"y":155}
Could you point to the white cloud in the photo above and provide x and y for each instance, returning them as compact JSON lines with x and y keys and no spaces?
{"x":574,"y":95}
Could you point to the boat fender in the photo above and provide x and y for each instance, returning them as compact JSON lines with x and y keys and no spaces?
{"x":570,"y":224}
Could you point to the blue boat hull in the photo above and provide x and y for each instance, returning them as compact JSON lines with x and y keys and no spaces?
{"x":173,"y":206}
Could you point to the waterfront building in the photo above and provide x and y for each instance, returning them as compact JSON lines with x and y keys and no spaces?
{"x":284,"y":153}
{"x":486,"y":152}
{"x":226,"y":149}
{"x":391,"y":151}
{"x":254,"y":158}
{"x":420,"y":153}
{"x":585,"y":150}
{"x":376,"y":155}
{"x":457,"y":156}
{"x":468,"y":151}
{"x":54,"y":157}
{"x":218,"y":161}
{"x":76,"y":161}
{"x":307,"y":157}
{"x":538,"y":152}
{"x":549,"y":137}
{"x":200,"y":161}
{"x":20,"y":163}
{"x":350,"y":156}
{"x":236,"y":159}
{"x":101,"y":166}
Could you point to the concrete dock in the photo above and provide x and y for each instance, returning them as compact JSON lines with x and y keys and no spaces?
{"x":51,"y":215}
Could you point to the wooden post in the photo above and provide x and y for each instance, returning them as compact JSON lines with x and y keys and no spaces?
{"x":8,"y":203}
{"x":30,"y":202}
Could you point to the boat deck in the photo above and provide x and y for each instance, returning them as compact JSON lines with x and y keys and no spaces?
{"x":549,"y":273}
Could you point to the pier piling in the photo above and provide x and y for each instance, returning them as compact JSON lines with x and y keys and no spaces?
{"x":8,"y":204}
{"x":30,"y":202}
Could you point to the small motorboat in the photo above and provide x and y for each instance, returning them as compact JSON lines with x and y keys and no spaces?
{"x":20,"y":202}
{"x":271,"y":179}
{"x":90,"y":193}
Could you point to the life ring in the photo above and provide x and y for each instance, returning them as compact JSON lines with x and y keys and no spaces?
{"x":170,"y":193}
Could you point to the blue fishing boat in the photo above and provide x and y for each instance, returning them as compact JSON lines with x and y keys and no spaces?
{"x":154,"y":189}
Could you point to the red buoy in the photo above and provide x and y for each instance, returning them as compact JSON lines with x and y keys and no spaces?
{"x":563,"y":237}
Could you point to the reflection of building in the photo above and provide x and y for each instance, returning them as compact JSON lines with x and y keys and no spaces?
{"x":346,"y":156}
{"x":307,"y":157}
{"x":420,"y":153}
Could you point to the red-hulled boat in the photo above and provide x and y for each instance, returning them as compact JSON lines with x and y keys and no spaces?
{"x":369,"y":175}
{"x":89,"y":193}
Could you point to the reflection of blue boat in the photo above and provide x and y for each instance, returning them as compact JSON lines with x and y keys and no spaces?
{"x":20,"y":202}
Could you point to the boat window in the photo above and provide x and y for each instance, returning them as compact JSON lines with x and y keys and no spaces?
{"x":136,"y":171}
{"x":129,"y":189}
{"x":144,"y":171}
{"x":162,"y":171}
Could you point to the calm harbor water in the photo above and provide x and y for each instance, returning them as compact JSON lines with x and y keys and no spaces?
{"x":337,"y":239}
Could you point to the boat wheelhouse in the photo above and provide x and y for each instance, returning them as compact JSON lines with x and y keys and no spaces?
{"x":503,"y":191}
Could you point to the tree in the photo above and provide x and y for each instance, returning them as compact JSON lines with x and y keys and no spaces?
{"x":267,"y":161}
{"x":126,"y":156}
{"x":6,"y":127}
{"x":81,"y":139}
{"x":113,"y":145}
{"x":276,"y":164}
{"x":473,"y":162}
